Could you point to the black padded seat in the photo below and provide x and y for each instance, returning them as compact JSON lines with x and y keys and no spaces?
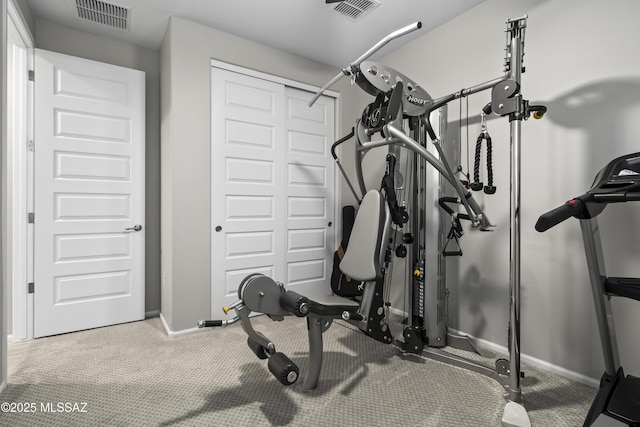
{"x":331,"y":305}
{"x":623,"y":287}
{"x":317,"y":302}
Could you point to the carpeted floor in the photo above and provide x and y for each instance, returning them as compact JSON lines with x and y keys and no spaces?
{"x":134,"y":375}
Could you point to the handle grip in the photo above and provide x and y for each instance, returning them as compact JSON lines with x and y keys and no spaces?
{"x":209,"y":323}
{"x":340,"y":141}
{"x":556,"y":216}
{"x":392,"y":36}
{"x":442,"y":201}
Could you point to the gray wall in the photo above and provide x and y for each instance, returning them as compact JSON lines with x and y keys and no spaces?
{"x":84,"y":45}
{"x":186,"y":157}
{"x":27,"y":15}
{"x":579,"y":62}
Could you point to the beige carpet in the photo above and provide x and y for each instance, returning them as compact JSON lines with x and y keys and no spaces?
{"x":134,"y":375}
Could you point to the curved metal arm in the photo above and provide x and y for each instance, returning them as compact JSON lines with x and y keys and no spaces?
{"x":350,"y":69}
{"x":327,"y":86}
{"x":396,"y":34}
{"x":337,"y":160}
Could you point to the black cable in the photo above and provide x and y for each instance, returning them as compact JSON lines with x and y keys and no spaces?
{"x":467,"y":100}
{"x":460,"y":135}
{"x":459,"y":168}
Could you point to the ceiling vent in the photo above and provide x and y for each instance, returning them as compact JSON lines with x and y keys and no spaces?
{"x":355,"y":10}
{"x":104,"y":13}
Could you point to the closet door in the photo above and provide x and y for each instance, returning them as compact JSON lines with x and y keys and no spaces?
{"x":310,"y":188}
{"x":248,"y":182}
{"x":272,"y":185}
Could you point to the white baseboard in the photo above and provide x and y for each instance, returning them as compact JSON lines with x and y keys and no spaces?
{"x":180,"y":333}
{"x":502,"y":350}
{"x":530,"y":360}
{"x":16,"y":340}
{"x":533,"y":361}
{"x":566,"y":373}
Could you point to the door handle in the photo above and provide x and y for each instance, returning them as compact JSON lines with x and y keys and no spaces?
{"x":136,"y":227}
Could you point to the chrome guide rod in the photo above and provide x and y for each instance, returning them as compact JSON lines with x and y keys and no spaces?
{"x":444,"y":100}
{"x":515,"y":414}
{"x":515,"y":393}
{"x":515,"y":69}
{"x":479,"y":88}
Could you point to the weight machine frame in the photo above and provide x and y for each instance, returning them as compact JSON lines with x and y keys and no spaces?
{"x":400,"y":102}
{"x":506,"y":101}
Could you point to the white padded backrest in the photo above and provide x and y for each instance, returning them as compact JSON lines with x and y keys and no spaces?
{"x":362,"y":259}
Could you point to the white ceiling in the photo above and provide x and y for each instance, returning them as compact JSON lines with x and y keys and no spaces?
{"x":307,"y":28}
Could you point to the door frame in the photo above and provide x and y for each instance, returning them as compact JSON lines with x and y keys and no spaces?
{"x":21,"y":184}
{"x":3,"y":228}
{"x":337,"y":195}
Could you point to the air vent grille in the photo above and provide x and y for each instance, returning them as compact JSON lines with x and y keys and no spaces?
{"x":355,"y":10}
{"x":104,"y":13}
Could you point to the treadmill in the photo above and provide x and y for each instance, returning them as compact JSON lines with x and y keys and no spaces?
{"x":618,"y":400}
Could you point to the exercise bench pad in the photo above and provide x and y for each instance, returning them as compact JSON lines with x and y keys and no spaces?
{"x":362,"y":259}
{"x":325,"y":304}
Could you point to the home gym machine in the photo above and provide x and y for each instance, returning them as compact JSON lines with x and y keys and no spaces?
{"x":401,"y":104}
{"x":618,"y":400}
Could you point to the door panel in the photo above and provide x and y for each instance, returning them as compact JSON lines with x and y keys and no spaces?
{"x":272,"y":185}
{"x":310,"y":188}
{"x":248,"y":186}
{"x":89,"y":188}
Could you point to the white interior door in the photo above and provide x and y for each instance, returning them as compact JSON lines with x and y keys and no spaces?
{"x":310,"y":204}
{"x":272,"y":185}
{"x":89,"y":194}
{"x":248,"y":182}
